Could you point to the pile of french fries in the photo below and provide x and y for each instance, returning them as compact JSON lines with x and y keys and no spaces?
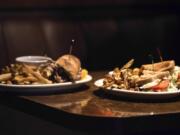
{"x":26,"y":74}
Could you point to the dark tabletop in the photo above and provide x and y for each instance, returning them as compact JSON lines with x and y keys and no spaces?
{"x":98,"y":109}
{"x":90,"y":101}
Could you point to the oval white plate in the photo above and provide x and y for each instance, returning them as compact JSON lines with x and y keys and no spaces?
{"x":138,"y":94}
{"x":44,"y":88}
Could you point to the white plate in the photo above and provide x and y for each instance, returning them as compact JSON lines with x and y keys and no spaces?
{"x":138,"y":94}
{"x":44,"y":88}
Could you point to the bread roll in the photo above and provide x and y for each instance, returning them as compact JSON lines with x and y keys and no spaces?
{"x":71,"y":64}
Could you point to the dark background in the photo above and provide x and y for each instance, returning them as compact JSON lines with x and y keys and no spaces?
{"x":108,"y":33}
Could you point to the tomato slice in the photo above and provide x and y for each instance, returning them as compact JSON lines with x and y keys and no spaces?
{"x":163,"y":85}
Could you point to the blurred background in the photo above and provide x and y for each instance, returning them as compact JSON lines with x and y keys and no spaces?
{"x":107,"y":33}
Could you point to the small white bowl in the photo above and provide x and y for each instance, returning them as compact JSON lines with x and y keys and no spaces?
{"x":36,"y":60}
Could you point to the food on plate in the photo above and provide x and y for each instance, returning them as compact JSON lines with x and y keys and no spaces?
{"x":155,"y":77}
{"x":160,"y":66}
{"x":66,"y":68}
{"x":71,"y":64}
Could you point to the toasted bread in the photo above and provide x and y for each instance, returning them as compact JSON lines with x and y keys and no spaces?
{"x":160,"y":66}
{"x":146,"y":78}
{"x":71,"y":64}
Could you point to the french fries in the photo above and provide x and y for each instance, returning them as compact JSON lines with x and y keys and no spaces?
{"x":23,"y":74}
{"x":5,"y":77}
{"x":37,"y":75}
{"x":21,"y":79}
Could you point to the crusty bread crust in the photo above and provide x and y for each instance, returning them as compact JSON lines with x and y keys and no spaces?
{"x":149,"y":78}
{"x":160,"y":66}
{"x":71,"y":64}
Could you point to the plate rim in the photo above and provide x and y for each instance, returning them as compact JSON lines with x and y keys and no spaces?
{"x":135,"y":92}
{"x":85,"y":80}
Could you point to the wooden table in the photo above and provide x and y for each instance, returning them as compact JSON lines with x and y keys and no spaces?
{"x":91,"y":110}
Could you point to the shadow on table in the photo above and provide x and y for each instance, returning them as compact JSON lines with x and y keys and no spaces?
{"x":45,"y":93}
{"x":101,"y":93}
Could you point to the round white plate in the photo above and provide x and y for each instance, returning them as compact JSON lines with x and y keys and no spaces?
{"x":44,"y":88}
{"x":137,"y":94}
